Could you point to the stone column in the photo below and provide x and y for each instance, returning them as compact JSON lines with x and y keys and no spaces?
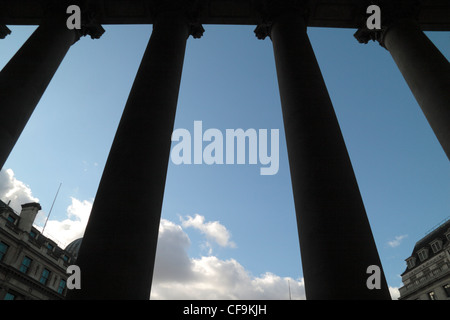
{"x":427,"y":73}
{"x":425,"y":69}
{"x":117,"y":254}
{"x":335,"y":237}
{"x":25,"y":78}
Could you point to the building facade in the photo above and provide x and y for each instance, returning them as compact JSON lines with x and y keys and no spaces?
{"x":427,"y":275}
{"x":32,"y":266}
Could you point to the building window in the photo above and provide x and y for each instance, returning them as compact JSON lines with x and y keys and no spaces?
{"x":411,"y":262}
{"x":50,"y":246}
{"x":44,"y":276}
{"x":26,"y":263}
{"x":436,"y":245}
{"x":431,"y":295}
{"x":32,"y":234}
{"x":11,"y":219}
{"x":436,"y":271}
{"x":423,"y":254}
{"x":3,"y":248}
{"x":9,"y":296}
{"x":447,"y":289}
{"x":62,"y":286}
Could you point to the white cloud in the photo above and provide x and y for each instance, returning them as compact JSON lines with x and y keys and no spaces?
{"x":172,"y":257}
{"x":214,"y":230}
{"x":62,"y":232}
{"x":15,"y":190}
{"x":395,"y":293}
{"x":177,"y":276}
{"x":71,"y":228}
{"x":396,"y":242}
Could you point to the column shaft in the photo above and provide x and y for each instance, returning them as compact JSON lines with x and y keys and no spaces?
{"x":117,"y":254}
{"x":427,"y":73}
{"x":25,"y":78}
{"x":336,"y":241}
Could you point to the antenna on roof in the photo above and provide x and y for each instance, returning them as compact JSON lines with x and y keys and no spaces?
{"x":51,"y":208}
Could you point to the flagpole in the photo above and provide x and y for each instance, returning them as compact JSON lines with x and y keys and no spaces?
{"x":51,"y":209}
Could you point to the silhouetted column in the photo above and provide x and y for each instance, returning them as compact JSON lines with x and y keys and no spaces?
{"x":335,"y":237}
{"x":25,"y":78}
{"x":117,"y":254}
{"x":427,"y":73}
{"x":425,"y":69}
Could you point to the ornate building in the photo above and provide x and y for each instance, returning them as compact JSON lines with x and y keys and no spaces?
{"x":427,"y":276}
{"x":32,"y":266}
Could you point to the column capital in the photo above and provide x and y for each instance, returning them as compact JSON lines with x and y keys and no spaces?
{"x":4,"y":31}
{"x":392,"y":12}
{"x":271,"y":10}
{"x":56,"y":13}
{"x":90,"y":25}
{"x":186,"y":10}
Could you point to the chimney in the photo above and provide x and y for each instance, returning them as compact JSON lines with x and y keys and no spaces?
{"x":27,"y":215}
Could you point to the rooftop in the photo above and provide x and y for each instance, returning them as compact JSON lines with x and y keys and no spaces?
{"x":440,"y":232}
{"x":35,"y":237}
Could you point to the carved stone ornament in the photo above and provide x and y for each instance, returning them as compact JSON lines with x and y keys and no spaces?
{"x":392,"y":11}
{"x":4,"y":31}
{"x":55,"y":13}
{"x":187,"y":8}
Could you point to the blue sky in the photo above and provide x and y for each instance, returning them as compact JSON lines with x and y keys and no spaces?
{"x":229,"y":82}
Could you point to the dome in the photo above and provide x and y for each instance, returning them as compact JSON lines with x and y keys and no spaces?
{"x":73,"y":247}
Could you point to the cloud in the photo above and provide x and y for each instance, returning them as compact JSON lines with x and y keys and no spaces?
{"x":71,"y":228}
{"x":14,"y":190}
{"x":62,"y":232}
{"x":172,"y":257}
{"x":396,"y":242}
{"x":395,"y":293}
{"x":212,"y":230}
{"x":177,"y":276}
